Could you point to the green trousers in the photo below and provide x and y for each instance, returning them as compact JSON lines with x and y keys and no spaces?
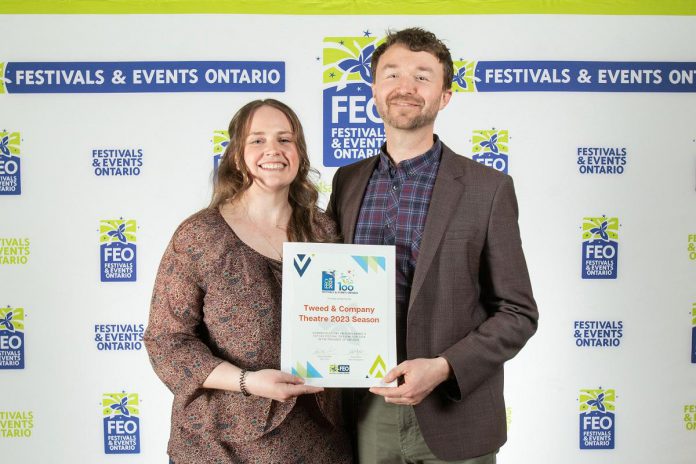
{"x":389,"y":434}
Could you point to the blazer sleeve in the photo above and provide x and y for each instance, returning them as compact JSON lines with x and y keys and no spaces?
{"x":506,"y":295}
{"x":177,"y":353}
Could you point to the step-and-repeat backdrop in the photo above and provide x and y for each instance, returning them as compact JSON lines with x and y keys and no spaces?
{"x":111,"y":127}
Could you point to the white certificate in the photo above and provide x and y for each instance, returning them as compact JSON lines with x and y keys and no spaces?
{"x":339,"y":314}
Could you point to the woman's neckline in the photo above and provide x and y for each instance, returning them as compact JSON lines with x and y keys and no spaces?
{"x":234,"y":233}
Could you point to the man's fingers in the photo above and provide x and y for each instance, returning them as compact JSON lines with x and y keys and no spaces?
{"x":388,"y":392}
{"x":395,"y":373}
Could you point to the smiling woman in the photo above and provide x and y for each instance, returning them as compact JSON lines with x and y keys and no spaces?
{"x":214,"y":331}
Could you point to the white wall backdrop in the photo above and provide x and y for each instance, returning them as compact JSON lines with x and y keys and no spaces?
{"x":52,"y":410}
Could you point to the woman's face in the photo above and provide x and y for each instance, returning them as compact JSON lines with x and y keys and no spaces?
{"x":270,"y":152}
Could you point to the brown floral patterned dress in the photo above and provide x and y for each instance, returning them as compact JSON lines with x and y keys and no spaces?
{"x":215,"y":299}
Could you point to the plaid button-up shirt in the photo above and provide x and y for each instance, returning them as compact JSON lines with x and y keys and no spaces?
{"x":393,"y":212}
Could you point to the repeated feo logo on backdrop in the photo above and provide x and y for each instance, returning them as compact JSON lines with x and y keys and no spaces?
{"x":14,"y":250}
{"x":600,"y":247}
{"x":602,"y":160}
{"x":490,"y":148}
{"x":117,"y":250}
{"x":121,"y":413}
{"x":11,"y":338}
{"x":597,"y":419}
{"x":10,"y":163}
{"x":16,"y":424}
{"x":117,"y":161}
{"x":464,"y":79}
{"x":119,"y":337}
{"x":220,"y":142}
{"x":598,"y":333}
{"x":353,"y":129}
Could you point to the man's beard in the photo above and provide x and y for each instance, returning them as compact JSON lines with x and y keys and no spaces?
{"x":424,"y":118}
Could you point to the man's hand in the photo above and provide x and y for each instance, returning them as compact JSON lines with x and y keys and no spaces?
{"x":420,"y":377}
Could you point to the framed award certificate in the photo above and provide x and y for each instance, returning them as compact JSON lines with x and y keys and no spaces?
{"x":339,"y":320}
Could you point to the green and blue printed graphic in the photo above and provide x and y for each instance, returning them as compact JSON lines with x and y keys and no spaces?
{"x":121,"y":419}
{"x":220,"y":142}
{"x":306,"y":371}
{"x":597,"y":419}
{"x":464,"y":78}
{"x":600,"y":247}
{"x":118,"y":250}
{"x":10,"y":163}
{"x":11,"y":338}
{"x":344,"y":283}
{"x":693,"y":333}
{"x":353,"y":129}
{"x":490,"y":148}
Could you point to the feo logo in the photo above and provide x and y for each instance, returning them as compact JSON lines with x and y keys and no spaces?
{"x":220,"y":142}
{"x":600,"y":247}
{"x":464,"y":79}
{"x":118,"y":250}
{"x":490,"y":148}
{"x":10,"y":166}
{"x":353,"y":129}
{"x":11,"y":338}
{"x":121,"y":423}
{"x":597,"y":419}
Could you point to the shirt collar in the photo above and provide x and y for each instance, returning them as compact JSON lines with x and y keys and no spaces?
{"x":412,"y":165}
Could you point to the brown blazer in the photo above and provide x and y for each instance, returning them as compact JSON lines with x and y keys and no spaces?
{"x":471,"y":300}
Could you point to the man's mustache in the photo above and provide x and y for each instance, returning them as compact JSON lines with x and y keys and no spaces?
{"x":405,"y":99}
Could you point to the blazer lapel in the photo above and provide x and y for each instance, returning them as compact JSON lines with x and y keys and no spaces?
{"x":446,"y":194}
{"x":354,"y":191}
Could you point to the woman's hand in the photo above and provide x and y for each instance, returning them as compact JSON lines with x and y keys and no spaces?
{"x":277,"y":385}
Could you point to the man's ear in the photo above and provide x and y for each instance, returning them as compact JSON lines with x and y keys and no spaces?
{"x":446,"y":95}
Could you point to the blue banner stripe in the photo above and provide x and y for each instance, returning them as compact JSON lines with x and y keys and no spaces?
{"x":585,"y":76}
{"x":135,"y":77}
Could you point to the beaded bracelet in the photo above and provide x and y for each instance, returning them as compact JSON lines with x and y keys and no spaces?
{"x":242,"y":383}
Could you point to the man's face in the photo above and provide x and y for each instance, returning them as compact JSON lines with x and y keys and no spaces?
{"x":407,"y":88}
